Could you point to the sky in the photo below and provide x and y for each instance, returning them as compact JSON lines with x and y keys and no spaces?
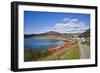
{"x":41,"y":22}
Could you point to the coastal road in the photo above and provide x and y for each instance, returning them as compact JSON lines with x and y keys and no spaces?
{"x":84,"y":50}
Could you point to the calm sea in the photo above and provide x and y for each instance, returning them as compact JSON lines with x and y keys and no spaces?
{"x":40,"y":43}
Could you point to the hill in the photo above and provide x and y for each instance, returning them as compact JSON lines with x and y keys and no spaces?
{"x":86,"y":33}
{"x":52,"y":33}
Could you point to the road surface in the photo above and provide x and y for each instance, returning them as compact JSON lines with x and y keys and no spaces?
{"x":84,"y":51}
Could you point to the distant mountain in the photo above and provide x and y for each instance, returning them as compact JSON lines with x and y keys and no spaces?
{"x":29,"y":35}
{"x":46,"y":33}
{"x":84,"y":34}
{"x":52,"y":33}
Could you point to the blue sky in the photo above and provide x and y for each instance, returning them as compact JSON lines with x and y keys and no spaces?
{"x":40,"y":22}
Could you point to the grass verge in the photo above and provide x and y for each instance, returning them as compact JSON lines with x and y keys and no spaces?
{"x":73,"y":53}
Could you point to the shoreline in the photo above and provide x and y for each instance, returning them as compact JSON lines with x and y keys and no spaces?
{"x":59,"y":47}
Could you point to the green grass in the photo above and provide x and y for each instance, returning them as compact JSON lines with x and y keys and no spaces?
{"x":35,"y":55}
{"x":73,"y":53}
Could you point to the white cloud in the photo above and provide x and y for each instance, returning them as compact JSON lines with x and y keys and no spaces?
{"x":70,"y":26}
{"x":73,"y":20}
{"x":66,"y":19}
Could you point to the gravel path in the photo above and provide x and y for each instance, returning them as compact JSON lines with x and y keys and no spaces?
{"x":84,"y":51}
